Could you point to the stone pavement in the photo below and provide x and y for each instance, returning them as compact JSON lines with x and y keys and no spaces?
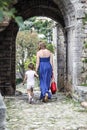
{"x":60,"y":113}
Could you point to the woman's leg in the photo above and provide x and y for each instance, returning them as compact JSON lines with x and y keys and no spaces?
{"x":46,"y":97}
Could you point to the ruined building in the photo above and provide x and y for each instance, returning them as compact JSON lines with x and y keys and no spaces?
{"x":70,"y":15}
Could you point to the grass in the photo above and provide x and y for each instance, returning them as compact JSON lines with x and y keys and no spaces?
{"x":84,"y":85}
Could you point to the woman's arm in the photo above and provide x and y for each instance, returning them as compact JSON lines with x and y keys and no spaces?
{"x":37,"y":62}
{"x":36,"y":75}
{"x":51,"y":60}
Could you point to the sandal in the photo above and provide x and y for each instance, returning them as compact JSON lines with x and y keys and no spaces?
{"x":46,"y":97}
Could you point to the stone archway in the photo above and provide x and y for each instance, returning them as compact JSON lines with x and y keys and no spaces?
{"x":67,"y":13}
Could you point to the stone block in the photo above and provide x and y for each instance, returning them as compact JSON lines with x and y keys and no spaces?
{"x":2,"y":114}
{"x":80,"y":93}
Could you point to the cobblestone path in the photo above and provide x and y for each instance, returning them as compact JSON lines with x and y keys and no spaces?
{"x":60,"y":113}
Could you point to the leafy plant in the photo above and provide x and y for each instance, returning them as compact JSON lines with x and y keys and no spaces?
{"x":8,"y":12}
{"x":85,"y":19}
{"x":33,"y":60}
{"x":40,"y":26}
{"x":85,"y":60}
{"x":50,"y":47}
{"x":26,"y":44}
{"x":85,"y":45}
{"x":84,"y":85}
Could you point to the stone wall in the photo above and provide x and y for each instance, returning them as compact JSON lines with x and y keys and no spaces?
{"x":59,"y":56}
{"x":84,"y":51}
{"x":80,"y":91}
{"x":73,"y":13}
{"x":7,"y":60}
{"x":55,"y":34}
{"x":69,"y":13}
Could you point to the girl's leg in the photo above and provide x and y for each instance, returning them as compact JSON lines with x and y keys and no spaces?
{"x":32,"y":94}
{"x":29,"y":95}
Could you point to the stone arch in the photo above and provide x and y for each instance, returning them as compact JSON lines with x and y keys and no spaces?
{"x":40,"y":8}
{"x":66,"y":13}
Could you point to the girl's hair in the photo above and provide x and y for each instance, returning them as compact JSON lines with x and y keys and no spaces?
{"x":31,"y":66}
{"x":42,"y":45}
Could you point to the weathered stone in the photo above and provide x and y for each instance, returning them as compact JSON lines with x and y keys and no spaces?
{"x":59,"y":113}
{"x":80,"y":93}
{"x":69,"y":14}
{"x":2,"y":114}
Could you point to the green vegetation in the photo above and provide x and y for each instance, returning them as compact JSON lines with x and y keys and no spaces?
{"x":85,"y":45}
{"x":8,"y":12}
{"x":27,"y":41}
{"x":5,"y":10}
{"x":33,"y":60}
{"x":18,"y":81}
{"x":41,"y":26}
{"x":84,"y":60}
{"x":85,"y":19}
{"x":84,"y":85}
{"x":50,"y":47}
{"x":26,"y":44}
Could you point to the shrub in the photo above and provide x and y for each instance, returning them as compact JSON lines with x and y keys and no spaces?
{"x":18,"y":81}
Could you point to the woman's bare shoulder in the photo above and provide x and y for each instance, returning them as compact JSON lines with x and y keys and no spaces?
{"x":49,"y":51}
{"x":38,"y":53}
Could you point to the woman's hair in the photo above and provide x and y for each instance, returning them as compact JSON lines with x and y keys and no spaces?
{"x":31,"y":66}
{"x":42,"y":45}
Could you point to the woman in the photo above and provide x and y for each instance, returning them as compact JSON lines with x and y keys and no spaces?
{"x":44,"y":65}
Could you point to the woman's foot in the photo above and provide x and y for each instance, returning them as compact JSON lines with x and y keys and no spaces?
{"x":45,"y":98}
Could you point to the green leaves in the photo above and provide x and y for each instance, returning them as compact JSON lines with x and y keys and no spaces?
{"x":1,"y":16}
{"x":4,"y":9}
{"x":41,"y":26}
{"x":26,"y":44}
{"x":85,"y":45}
{"x":50,"y":47}
{"x":85,"y":19}
{"x":8,"y":12}
{"x":19,"y":21}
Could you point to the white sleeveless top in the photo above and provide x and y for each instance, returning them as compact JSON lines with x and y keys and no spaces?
{"x":30,"y":77}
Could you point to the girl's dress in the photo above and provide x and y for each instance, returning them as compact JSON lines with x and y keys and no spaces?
{"x":45,"y":73}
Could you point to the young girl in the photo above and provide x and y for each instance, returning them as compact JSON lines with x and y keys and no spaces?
{"x":30,"y":77}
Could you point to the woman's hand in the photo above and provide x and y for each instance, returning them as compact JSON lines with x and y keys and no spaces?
{"x":36,"y":75}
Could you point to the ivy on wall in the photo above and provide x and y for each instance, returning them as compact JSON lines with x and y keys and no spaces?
{"x":85,"y":19}
{"x":7,"y":12}
{"x":84,"y":56}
